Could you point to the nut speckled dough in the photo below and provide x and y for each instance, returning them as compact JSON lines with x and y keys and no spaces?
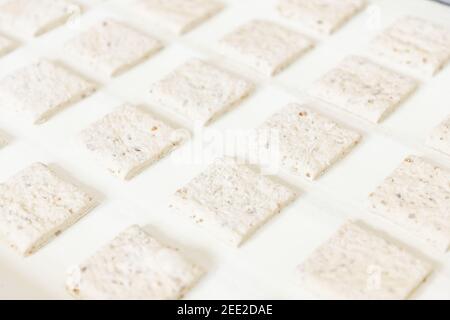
{"x":420,"y":45}
{"x":128,"y":140}
{"x":357,"y":264}
{"x":265,"y":46}
{"x":231,"y":201}
{"x":134,"y":265}
{"x":416,"y":196}
{"x":36,"y":205}
{"x":364,"y":88}
{"x":310,"y":142}
{"x":111,"y":47}
{"x":324,"y":16}
{"x":6,"y":45}
{"x":439,"y":138}
{"x":180,"y":16}
{"x":25,"y":18}
{"x":200,"y":91}
{"x":42,"y":89}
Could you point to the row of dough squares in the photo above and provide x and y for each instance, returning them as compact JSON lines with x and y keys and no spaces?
{"x":418,"y":44}
{"x":24,"y":19}
{"x":357,"y":85}
{"x":340,"y":268}
{"x":127,"y":140}
{"x":232,"y":201}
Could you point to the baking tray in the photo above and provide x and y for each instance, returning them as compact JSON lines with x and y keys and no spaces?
{"x":263,"y":268}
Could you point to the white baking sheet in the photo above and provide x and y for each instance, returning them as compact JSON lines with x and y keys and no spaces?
{"x":264,"y":267}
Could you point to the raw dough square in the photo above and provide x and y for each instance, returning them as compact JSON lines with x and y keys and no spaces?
{"x":111,"y":47}
{"x":364,"y":88}
{"x":325,"y":16}
{"x":133,"y":266}
{"x":25,"y":18}
{"x":200,"y":91}
{"x":36,"y":205}
{"x":42,"y":89}
{"x":180,"y":16}
{"x":266,"y":46}
{"x":439,"y":138}
{"x":231,"y":201}
{"x":416,"y":196}
{"x":6,"y":45}
{"x":128,"y":140}
{"x":420,"y":45}
{"x":310,"y":143}
{"x":357,"y":264}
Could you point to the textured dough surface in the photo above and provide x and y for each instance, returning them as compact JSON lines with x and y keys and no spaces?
{"x":200,"y":91}
{"x":416,"y":196}
{"x":324,"y":16}
{"x":265,"y":46}
{"x":439,"y":139}
{"x":128,"y":140}
{"x":180,"y":16}
{"x":134,"y":265}
{"x":30,"y":18}
{"x":357,"y":264}
{"x":364,"y":88}
{"x":111,"y":47}
{"x":420,"y":45}
{"x":309,"y":142}
{"x":36,"y":205}
{"x":231,"y":201}
{"x":42,"y":89}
